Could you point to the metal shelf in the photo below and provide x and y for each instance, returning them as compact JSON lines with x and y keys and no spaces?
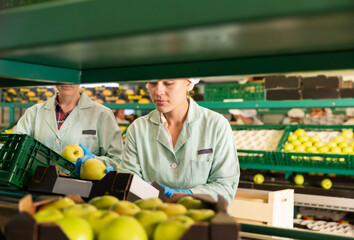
{"x":116,"y":41}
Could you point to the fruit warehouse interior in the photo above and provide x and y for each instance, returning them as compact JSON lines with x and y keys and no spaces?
{"x":281,"y":74}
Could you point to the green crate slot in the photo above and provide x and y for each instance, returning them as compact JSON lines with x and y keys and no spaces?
{"x":247,"y":91}
{"x":257,"y":158}
{"x":21,"y":154}
{"x":315,"y":162}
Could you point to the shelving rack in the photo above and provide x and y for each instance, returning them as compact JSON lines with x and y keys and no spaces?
{"x":82,"y":41}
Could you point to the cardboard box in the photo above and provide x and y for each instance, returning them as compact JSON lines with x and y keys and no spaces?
{"x":281,"y":81}
{"x":124,"y":186}
{"x":283,"y":94}
{"x":320,"y":93}
{"x":222,"y":226}
{"x":347,"y":93}
{"x":322,"y":81}
{"x":275,"y":208}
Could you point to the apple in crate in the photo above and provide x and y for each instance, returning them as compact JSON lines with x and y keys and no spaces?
{"x":149,"y":203}
{"x":123,"y":227}
{"x":103,"y":202}
{"x":76,"y":228}
{"x":125,"y":208}
{"x":48,"y":215}
{"x":191,"y":203}
{"x":72,"y":152}
{"x":150,"y":219}
{"x":173,"y":228}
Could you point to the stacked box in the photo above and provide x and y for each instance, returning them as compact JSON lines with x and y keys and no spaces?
{"x":321,"y":87}
{"x":280,"y":87}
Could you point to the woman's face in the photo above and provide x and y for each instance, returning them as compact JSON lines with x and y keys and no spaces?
{"x":168,"y":94}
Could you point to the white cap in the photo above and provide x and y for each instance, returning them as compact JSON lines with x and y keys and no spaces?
{"x":244,"y":112}
{"x":349,"y":112}
{"x":193,"y":82}
{"x":296,"y":113}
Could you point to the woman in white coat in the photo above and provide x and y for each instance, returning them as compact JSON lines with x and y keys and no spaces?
{"x":71,"y":117}
{"x":182,"y":146}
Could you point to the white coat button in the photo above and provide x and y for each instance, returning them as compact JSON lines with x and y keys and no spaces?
{"x":174,"y":165}
{"x":57,"y":140}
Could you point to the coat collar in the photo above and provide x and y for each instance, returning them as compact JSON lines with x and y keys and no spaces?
{"x":84,"y":102}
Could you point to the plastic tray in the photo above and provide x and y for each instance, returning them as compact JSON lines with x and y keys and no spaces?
{"x":21,"y":154}
{"x":257,"y":158}
{"x":247,"y":91}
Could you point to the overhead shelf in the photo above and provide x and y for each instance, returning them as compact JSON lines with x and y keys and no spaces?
{"x":91,"y":41}
{"x":348,"y":102}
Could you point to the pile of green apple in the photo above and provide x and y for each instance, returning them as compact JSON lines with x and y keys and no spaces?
{"x":92,"y":169}
{"x":298,"y":141}
{"x":106,"y":218}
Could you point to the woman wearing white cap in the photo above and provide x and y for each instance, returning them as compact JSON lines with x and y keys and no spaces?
{"x":349,"y":113}
{"x":184,"y":147}
{"x":295,"y":116}
{"x":245,"y":117}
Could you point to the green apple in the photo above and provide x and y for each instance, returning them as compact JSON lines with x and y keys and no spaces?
{"x":125,"y":208}
{"x":331,"y":144}
{"x":150,"y":219}
{"x":103,"y":202}
{"x":304,"y":139}
{"x":48,"y":215}
{"x":123,"y":227}
{"x":343,"y":144}
{"x":99,"y":219}
{"x":296,"y":143}
{"x":352,"y":144}
{"x":288,"y":147}
{"x":200,"y":215}
{"x":347,"y":134}
{"x":76,"y":228}
{"x":149,"y":203}
{"x":72,"y":152}
{"x":92,"y":169}
{"x":315,"y":139}
{"x":172,"y":209}
{"x":300,"y":132}
{"x":191,"y":203}
{"x":319,"y":144}
{"x":311,"y":149}
{"x":79,"y":210}
{"x":299,"y":179}
{"x":292,"y":137}
{"x":300,"y":148}
{"x":60,"y":204}
{"x":307,"y":144}
{"x":339,"y":139}
{"x":173,"y":228}
{"x":258,"y":178}
{"x":336,"y":150}
{"x":323,"y":149}
{"x":347,"y":150}
{"x":326,"y":183}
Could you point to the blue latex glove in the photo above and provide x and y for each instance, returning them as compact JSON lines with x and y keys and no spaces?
{"x":80,"y":161}
{"x":170,"y":191}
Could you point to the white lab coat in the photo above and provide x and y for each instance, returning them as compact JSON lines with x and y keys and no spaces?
{"x":203,"y":160}
{"x":89,"y":123}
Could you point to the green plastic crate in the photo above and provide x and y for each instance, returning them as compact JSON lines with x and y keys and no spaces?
{"x":247,"y":91}
{"x":21,"y":154}
{"x":257,"y":159}
{"x":315,"y":162}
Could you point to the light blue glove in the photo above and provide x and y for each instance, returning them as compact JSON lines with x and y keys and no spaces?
{"x":170,"y":191}
{"x":80,"y":161}
{"x":87,"y":155}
